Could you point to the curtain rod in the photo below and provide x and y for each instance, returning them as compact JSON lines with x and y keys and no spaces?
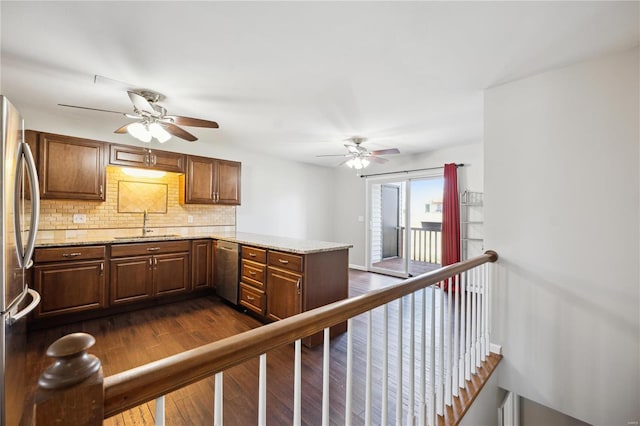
{"x":409,"y":171}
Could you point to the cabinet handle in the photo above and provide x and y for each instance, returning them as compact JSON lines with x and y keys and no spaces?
{"x":101,"y":190}
{"x":150,"y":263}
{"x":71,"y":254}
{"x":298,"y":283}
{"x":154,"y":159}
{"x":153,"y":249}
{"x":101,"y":268}
{"x":284,"y":262}
{"x":252,"y":255}
{"x":250,"y":298}
{"x":155,"y":262}
{"x":252,"y":273}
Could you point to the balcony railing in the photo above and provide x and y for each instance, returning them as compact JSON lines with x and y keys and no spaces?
{"x":441,"y":344}
{"x":426,"y":243}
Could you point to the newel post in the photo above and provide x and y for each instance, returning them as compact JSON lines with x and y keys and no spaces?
{"x":70,"y":390}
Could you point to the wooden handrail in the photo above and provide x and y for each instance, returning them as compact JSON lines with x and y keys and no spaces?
{"x":139,"y":385}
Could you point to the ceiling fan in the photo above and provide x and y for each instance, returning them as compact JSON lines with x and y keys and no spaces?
{"x":152,"y":118}
{"x":359,"y":157}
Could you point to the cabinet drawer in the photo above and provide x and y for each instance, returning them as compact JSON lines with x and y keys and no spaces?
{"x":252,"y":298}
{"x":253,"y":273}
{"x":255,"y":254}
{"x":292,"y":262}
{"x":140,"y":249}
{"x":61,"y":254}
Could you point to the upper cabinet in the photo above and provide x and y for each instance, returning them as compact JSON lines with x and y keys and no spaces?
{"x":211,"y":181}
{"x":133,"y":156}
{"x":71,"y":168}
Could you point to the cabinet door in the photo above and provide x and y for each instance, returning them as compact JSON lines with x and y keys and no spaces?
{"x":71,"y":168}
{"x":131,"y":279}
{"x":284,"y":294}
{"x":228,"y":176}
{"x":171,"y":273}
{"x":69,"y":287}
{"x":199,"y":181}
{"x":201,"y":264}
{"x":133,"y":156}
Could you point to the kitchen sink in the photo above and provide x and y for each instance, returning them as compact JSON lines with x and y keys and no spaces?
{"x":147,"y":237}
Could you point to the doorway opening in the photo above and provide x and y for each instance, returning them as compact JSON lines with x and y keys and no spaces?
{"x":405,"y":225}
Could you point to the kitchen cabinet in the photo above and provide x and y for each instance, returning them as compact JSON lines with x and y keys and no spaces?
{"x":201,"y":264}
{"x":70,"y":279}
{"x":85,"y":180}
{"x":284,"y":293}
{"x":141,"y":271}
{"x":211,"y":181}
{"x":253,"y":278}
{"x":133,"y":156}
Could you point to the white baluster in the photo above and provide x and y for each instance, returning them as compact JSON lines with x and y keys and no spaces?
{"x":297,"y":380}
{"x":440,"y":392}
{"x":463,"y":327}
{"x":489,"y":269}
{"x":385,"y":367}
{"x":478,"y":317}
{"x":412,"y":361}
{"x":325,"y":377}
{"x":483,"y":316}
{"x":159,"y":421}
{"x":447,"y":343}
{"x":218,"y":401}
{"x":432,"y":360}
{"x":262,"y":391}
{"x":474,"y":315}
{"x":456,"y":338}
{"x":467,"y":341}
{"x":349,"y":384}
{"x":367,"y":409}
{"x":399,"y":367}
{"x":423,"y":362}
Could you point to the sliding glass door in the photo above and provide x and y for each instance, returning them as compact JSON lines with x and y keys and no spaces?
{"x":405,"y":225}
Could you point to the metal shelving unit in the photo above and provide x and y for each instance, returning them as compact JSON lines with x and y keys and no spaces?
{"x":471,"y":221}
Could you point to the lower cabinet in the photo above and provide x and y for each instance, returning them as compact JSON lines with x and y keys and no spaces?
{"x":136,"y":276}
{"x":284,"y":293}
{"x":69,"y":280}
{"x":202,"y":263}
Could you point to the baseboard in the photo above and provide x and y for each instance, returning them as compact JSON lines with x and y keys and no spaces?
{"x":357,"y":267}
{"x":496,"y":349}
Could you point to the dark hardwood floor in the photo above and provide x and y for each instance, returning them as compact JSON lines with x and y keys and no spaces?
{"x":131,"y":339}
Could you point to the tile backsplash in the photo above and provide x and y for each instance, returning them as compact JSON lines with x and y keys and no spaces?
{"x":58,"y":214}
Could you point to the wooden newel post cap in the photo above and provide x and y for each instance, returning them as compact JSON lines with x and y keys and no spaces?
{"x":72,"y":362}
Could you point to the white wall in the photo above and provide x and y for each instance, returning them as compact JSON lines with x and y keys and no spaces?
{"x":562,"y":210}
{"x":484,"y":410}
{"x":349,"y":189}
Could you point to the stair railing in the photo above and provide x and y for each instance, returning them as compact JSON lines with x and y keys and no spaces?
{"x":451,"y":330}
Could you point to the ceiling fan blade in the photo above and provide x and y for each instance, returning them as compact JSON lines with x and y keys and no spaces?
{"x":334,"y":155}
{"x":386,"y":151}
{"x":100,"y":79}
{"x":93,"y":109}
{"x":141,"y":104}
{"x":378,"y":160}
{"x":178,"y":132}
{"x":189,"y":121}
{"x":122,"y":129}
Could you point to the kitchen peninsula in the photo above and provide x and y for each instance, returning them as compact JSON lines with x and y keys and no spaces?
{"x":94,"y":273}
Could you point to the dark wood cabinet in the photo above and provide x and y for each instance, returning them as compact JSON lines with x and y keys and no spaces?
{"x":201,"y":264}
{"x":211,"y":181}
{"x":133,"y":156}
{"x":70,"y":279}
{"x":142,"y":271}
{"x":284,"y":293}
{"x":253,"y":276}
{"x":71,"y":168}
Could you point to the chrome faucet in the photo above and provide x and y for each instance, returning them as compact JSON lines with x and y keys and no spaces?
{"x":145,"y":218}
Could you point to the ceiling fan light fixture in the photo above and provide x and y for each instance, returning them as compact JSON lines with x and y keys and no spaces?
{"x":159,"y":133}
{"x":358,"y":163}
{"x":139,"y":131}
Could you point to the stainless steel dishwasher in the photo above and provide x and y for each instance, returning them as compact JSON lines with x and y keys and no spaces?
{"x":227,"y":259}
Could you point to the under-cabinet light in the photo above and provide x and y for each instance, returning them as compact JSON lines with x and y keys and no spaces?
{"x":145,"y":173}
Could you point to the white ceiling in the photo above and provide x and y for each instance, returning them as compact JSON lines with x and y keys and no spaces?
{"x":295,"y":79}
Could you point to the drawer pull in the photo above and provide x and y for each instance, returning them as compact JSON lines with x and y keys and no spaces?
{"x":250,"y":298}
{"x":252,"y":273}
{"x":252,"y":255}
{"x":71,"y":254}
{"x":153,"y":249}
{"x":283,"y":261}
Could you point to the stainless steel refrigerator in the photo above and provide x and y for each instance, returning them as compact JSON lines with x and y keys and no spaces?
{"x":20,"y":207}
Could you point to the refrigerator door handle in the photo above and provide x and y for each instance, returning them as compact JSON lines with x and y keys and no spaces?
{"x":35,"y":300}
{"x":26,"y":155}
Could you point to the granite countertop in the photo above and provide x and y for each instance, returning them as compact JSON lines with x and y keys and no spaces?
{"x":291,"y":245}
